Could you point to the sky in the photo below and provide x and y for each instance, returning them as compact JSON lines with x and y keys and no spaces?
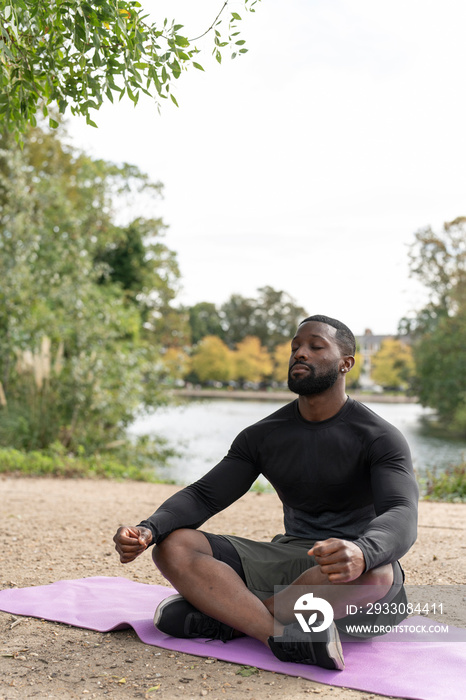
{"x":309,"y":163}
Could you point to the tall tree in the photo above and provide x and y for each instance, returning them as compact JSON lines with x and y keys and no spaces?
{"x":438,"y":260}
{"x":56,"y":216}
{"x":236,"y":314}
{"x":393,"y":365}
{"x":441,"y":371}
{"x":177,"y":364}
{"x":204,"y":319}
{"x":138,"y":262}
{"x":252,"y":361}
{"x":76,"y":54}
{"x":272,"y":317}
{"x":281,"y":359}
{"x":212,"y":360}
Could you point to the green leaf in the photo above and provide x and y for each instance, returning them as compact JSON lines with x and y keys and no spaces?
{"x":235,"y":15}
{"x":247,"y":671}
{"x":197,"y":65}
{"x":176,"y":68}
{"x":181,"y":41}
{"x":53,"y":124}
{"x":240,"y":42}
{"x":173,"y":99}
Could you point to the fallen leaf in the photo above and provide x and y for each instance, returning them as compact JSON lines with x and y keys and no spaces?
{"x":247,"y":671}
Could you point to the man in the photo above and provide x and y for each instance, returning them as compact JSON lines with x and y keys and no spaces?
{"x":349,"y":495}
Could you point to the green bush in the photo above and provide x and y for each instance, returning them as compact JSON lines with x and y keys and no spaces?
{"x":450,"y":485}
{"x":56,"y":462}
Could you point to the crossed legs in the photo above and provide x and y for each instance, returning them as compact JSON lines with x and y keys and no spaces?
{"x":186,"y":560}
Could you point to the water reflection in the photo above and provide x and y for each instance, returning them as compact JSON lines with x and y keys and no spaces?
{"x":202,"y":431}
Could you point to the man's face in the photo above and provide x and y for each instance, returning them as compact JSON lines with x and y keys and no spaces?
{"x":315,"y":359}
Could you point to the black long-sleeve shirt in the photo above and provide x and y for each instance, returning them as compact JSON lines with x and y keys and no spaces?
{"x":349,"y":476}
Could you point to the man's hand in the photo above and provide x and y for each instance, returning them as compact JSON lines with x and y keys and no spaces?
{"x":340,"y":560}
{"x":130,"y":542}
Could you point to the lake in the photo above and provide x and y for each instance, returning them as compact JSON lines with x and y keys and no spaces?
{"x":202,"y":431}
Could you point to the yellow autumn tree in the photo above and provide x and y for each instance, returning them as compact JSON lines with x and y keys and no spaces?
{"x":176,"y":362}
{"x":212,"y":360}
{"x":252,"y":361}
{"x":393,"y":364}
{"x":281,"y":359}
{"x":352,"y":378}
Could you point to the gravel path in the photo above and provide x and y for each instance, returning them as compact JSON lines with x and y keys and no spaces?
{"x":61,"y":529}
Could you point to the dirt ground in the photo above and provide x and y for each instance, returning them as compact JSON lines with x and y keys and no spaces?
{"x":63,"y":529}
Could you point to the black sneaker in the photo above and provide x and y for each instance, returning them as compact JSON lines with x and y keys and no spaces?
{"x":178,"y":618}
{"x":314,"y":648}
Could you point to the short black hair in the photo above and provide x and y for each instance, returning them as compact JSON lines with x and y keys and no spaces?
{"x":344,"y":336}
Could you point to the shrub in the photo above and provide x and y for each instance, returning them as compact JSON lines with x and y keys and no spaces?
{"x":127,"y":462}
{"x":450,"y":485}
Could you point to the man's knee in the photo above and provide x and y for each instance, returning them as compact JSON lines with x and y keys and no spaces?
{"x":381,"y":576}
{"x":177,"y":549}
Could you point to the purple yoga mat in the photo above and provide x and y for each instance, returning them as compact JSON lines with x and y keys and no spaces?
{"x":417,"y":669}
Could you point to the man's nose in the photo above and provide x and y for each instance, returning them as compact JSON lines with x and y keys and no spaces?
{"x":301,"y":353}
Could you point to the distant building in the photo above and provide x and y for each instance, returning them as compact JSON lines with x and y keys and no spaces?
{"x":368,"y":345}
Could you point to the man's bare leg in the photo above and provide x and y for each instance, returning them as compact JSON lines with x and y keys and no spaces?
{"x":185,"y":558}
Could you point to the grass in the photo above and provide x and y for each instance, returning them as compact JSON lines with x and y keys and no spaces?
{"x":56,"y":464}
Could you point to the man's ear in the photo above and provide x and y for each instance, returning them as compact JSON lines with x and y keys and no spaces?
{"x":348,"y":363}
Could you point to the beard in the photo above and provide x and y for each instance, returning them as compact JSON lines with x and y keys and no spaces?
{"x":311,"y":383}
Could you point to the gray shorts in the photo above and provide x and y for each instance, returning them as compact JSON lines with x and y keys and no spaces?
{"x":264,"y":565}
